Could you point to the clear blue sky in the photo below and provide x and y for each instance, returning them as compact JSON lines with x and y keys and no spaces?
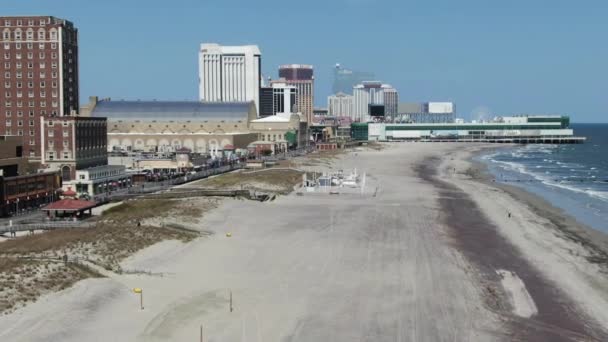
{"x":502,"y":57}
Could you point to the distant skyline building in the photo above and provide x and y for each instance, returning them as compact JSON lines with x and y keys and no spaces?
{"x":230,"y":73}
{"x":376,"y":95}
{"x":278,"y":98}
{"x":301,"y":76}
{"x":340,"y":104}
{"x":38,"y":75}
{"x":426,"y":112}
{"x":346,"y":79}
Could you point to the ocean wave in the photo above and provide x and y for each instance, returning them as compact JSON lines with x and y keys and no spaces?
{"x":546,"y":177}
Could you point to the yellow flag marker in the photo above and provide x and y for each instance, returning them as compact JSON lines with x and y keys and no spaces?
{"x":141,"y":297}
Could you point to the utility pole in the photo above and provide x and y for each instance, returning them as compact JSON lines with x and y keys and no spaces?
{"x":230,"y":300}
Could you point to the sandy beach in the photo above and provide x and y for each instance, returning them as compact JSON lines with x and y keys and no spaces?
{"x":432,"y":251}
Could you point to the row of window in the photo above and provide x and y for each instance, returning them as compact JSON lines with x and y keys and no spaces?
{"x":30,"y":74}
{"x":29,"y":34}
{"x":51,"y":155}
{"x":30,"y":55}
{"x":51,"y":133}
{"x":31,"y":104}
{"x":30,"y":84}
{"x":273,"y":137}
{"x":7,"y":46}
{"x":54,"y":104}
{"x":9,"y":123}
{"x":30,"y":22}
{"x":32,"y":94}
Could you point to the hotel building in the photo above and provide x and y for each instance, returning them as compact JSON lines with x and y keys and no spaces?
{"x":230,"y":73}
{"x":38,"y":75}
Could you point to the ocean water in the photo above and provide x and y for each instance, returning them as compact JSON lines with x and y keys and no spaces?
{"x":571,"y":177}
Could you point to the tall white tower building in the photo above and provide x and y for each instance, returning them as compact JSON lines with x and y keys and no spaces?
{"x":230,"y":73}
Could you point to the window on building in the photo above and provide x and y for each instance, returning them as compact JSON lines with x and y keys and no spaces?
{"x":42,"y":74}
{"x":51,"y":133}
{"x":54,"y":55}
{"x":18,"y":46}
{"x":54,"y":93}
{"x":41,"y":55}
{"x":29,"y":35}
{"x":42,"y":22}
{"x":51,"y":143}
{"x":30,"y":23}
{"x":19,"y":85}
{"x":8,"y":113}
{"x":19,"y":22}
{"x":7,"y":65}
{"x":6,"y":35}
{"x":19,"y":104}
{"x":7,"y":74}
{"x":31,"y":122}
{"x":55,"y":104}
{"x":66,"y":143}
{"x":66,"y":155}
{"x":30,"y":45}
{"x":54,"y":74}
{"x":41,"y":45}
{"x":20,"y":132}
{"x":8,"y":103}
{"x":19,"y":74}
{"x":42,"y":103}
{"x":31,"y":104}
{"x":7,"y":94}
{"x":30,"y":65}
{"x":32,"y":132}
{"x":19,"y":123}
{"x":30,"y":74}
{"x":8,"y":123}
{"x":30,"y":84}
{"x":17,"y":35}
{"x":32,"y":142}
{"x":30,"y":93}
{"x":53,"y":46}
{"x":7,"y":55}
{"x":18,"y":55}
{"x":50,"y":155}
{"x":54,"y":65}
{"x":31,"y":113}
{"x":30,"y":55}
{"x":54,"y":84}
{"x":53,"y":34}
{"x":43,"y":94}
{"x":19,"y":94}
{"x":7,"y":23}
{"x":18,"y":65}
{"x":66,"y":133}
{"x":42,"y":65}
{"x":43,"y":112}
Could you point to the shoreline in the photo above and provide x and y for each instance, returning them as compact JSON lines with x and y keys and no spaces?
{"x":595,"y":240}
{"x":561,"y":262}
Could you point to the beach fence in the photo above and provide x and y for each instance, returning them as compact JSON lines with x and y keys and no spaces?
{"x":12,"y":230}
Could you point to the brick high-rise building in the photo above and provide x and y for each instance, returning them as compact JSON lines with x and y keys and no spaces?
{"x":38,"y":75}
{"x":300,"y":76}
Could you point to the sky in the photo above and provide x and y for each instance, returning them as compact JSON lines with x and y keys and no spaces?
{"x":488,"y":57}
